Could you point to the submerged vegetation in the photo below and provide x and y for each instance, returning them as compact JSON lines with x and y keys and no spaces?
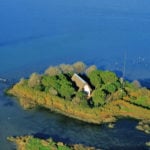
{"x":111,"y":96}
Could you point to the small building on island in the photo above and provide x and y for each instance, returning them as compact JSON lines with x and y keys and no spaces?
{"x":81,"y":84}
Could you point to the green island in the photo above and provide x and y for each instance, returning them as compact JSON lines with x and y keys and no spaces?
{"x":31,"y":143}
{"x":85,"y":93}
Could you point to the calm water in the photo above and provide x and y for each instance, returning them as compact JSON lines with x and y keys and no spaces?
{"x":35,"y":34}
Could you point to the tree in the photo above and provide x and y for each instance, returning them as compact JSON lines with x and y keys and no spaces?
{"x":66,"y":88}
{"x":108,"y":77}
{"x":117,"y":84}
{"x":53,"y":71}
{"x":50,"y":81}
{"x":111,"y":88}
{"x":98,"y":97}
{"x":90,"y":69}
{"x":34,"y":80}
{"x":81,"y":95}
{"x":66,"y":91}
{"x":66,"y":68}
{"x":79,"y":67}
{"x":95,"y":78}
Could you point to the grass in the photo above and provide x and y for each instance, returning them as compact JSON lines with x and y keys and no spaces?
{"x":140,"y":97}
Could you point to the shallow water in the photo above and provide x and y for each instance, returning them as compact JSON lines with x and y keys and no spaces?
{"x":36,"y":34}
{"x":44,"y":124}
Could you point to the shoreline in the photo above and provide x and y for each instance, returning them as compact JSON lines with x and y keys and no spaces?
{"x":108,"y":114}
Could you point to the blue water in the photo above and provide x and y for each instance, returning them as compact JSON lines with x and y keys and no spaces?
{"x":35,"y":34}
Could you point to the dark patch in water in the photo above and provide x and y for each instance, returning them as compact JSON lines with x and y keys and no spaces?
{"x":41,"y":135}
{"x":8,"y":104}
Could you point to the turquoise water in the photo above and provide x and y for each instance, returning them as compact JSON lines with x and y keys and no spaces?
{"x":36,"y":34}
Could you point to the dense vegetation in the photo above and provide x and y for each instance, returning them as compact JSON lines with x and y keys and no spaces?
{"x":57,"y":81}
{"x":106,"y":85}
{"x":111,"y":96}
{"x":31,"y":143}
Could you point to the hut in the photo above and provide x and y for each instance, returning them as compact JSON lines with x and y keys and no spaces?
{"x":81,"y":84}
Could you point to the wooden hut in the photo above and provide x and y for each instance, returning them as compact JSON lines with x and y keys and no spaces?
{"x":81,"y":84}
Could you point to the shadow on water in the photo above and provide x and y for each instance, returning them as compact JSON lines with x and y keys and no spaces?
{"x":8,"y":104}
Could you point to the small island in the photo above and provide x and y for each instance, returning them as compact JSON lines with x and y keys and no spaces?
{"x":32,"y":143}
{"x":84,"y":93}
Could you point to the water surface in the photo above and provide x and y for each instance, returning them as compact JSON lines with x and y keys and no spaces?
{"x":35,"y":34}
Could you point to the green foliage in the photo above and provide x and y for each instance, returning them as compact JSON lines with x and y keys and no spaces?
{"x":39,"y":87}
{"x":50,"y":81}
{"x":99,"y":97}
{"x":80,"y":99}
{"x":121,"y":93}
{"x":66,"y":90}
{"x":129,"y":85}
{"x":60,"y":84}
{"x":81,"y":95}
{"x":84,"y":104}
{"x":57,"y":81}
{"x":117,"y":84}
{"x":108,"y":77}
{"x":38,"y":144}
{"x":95,"y":78}
{"x":142,"y":101}
{"x":111,"y":88}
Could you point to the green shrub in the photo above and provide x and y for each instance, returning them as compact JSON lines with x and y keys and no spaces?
{"x":95,"y":78}
{"x":108,"y":77}
{"x":111,"y":88}
{"x":98,"y":97}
